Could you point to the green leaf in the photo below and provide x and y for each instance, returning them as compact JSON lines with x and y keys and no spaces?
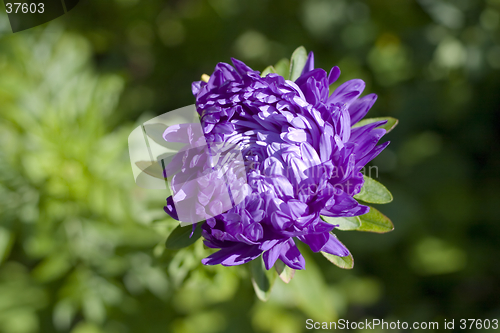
{"x":262,"y":279}
{"x":346,"y":262}
{"x":374,"y":192}
{"x":267,"y":70}
{"x":179,"y":238}
{"x":375,"y":221}
{"x":389,"y":126}
{"x":344,"y":223}
{"x":6,"y":243}
{"x":297,"y":63}
{"x":52,"y":267}
{"x":282,"y":68}
{"x":284,"y":272}
{"x":311,"y":293}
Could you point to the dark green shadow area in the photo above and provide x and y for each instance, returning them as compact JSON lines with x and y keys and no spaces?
{"x":70,"y":4}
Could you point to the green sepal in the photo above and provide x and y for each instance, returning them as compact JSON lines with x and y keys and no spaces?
{"x":297,"y":62}
{"x":267,"y":70}
{"x":282,"y":68}
{"x":344,"y":223}
{"x":262,"y":279}
{"x":373,"y":192}
{"x":375,"y":221}
{"x":389,"y":126}
{"x":284,"y":272}
{"x":179,"y":237}
{"x":346,"y":262}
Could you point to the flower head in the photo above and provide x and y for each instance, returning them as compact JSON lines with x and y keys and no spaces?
{"x":301,"y":156}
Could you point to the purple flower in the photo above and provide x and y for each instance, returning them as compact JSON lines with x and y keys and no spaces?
{"x":301,"y":156}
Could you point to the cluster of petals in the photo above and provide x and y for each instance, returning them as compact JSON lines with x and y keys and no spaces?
{"x":302,"y":157}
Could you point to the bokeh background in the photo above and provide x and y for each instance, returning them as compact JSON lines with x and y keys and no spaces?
{"x":82,"y":247}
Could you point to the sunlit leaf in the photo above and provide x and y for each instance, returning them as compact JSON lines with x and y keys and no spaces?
{"x":262,"y":279}
{"x":389,"y":126}
{"x":344,"y":223}
{"x":346,"y":262}
{"x":63,"y":314}
{"x":93,"y":307}
{"x":375,"y":221}
{"x":6,"y":242}
{"x":374,"y":192}
{"x":282,"y":68}
{"x":297,"y":62}
{"x":52,"y":267}
{"x":267,"y":70}
{"x":284,"y":272}
{"x":179,"y":238}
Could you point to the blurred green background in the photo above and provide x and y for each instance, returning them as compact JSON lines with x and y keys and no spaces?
{"x":82,"y":247}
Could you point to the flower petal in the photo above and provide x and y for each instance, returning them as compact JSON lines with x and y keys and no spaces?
{"x":360,"y":107}
{"x":335,"y":247}
{"x":271,"y":255}
{"x":291,"y":256}
{"x":347,"y":92}
{"x":309,"y":66}
{"x":232,"y":256}
{"x":315,"y":241}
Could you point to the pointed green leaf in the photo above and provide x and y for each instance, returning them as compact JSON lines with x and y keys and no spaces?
{"x":179,"y":238}
{"x":342,"y":262}
{"x":297,"y":63}
{"x":262,"y":279}
{"x":52,"y":267}
{"x":6,"y":243}
{"x":344,"y":223}
{"x":374,"y":192}
{"x":284,"y":272}
{"x":389,"y":126}
{"x":282,"y":68}
{"x":375,"y":221}
{"x":267,"y":70}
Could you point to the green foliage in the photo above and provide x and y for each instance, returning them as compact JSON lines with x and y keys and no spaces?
{"x":262,"y":279}
{"x":389,"y":126}
{"x":311,"y":293}
{"x":289,"y":68}
{"x":181,"y":237}
{"x":373,"y":192}
{"x":297,"y":62}
{"x":284,"y":272}
{"x":343,"y":223}
{"x":375,"y":221}
{"x":267,"y":70}
{"x":283,"y":68}
{"x":346,"y":262}
{"x":68,"y":202}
